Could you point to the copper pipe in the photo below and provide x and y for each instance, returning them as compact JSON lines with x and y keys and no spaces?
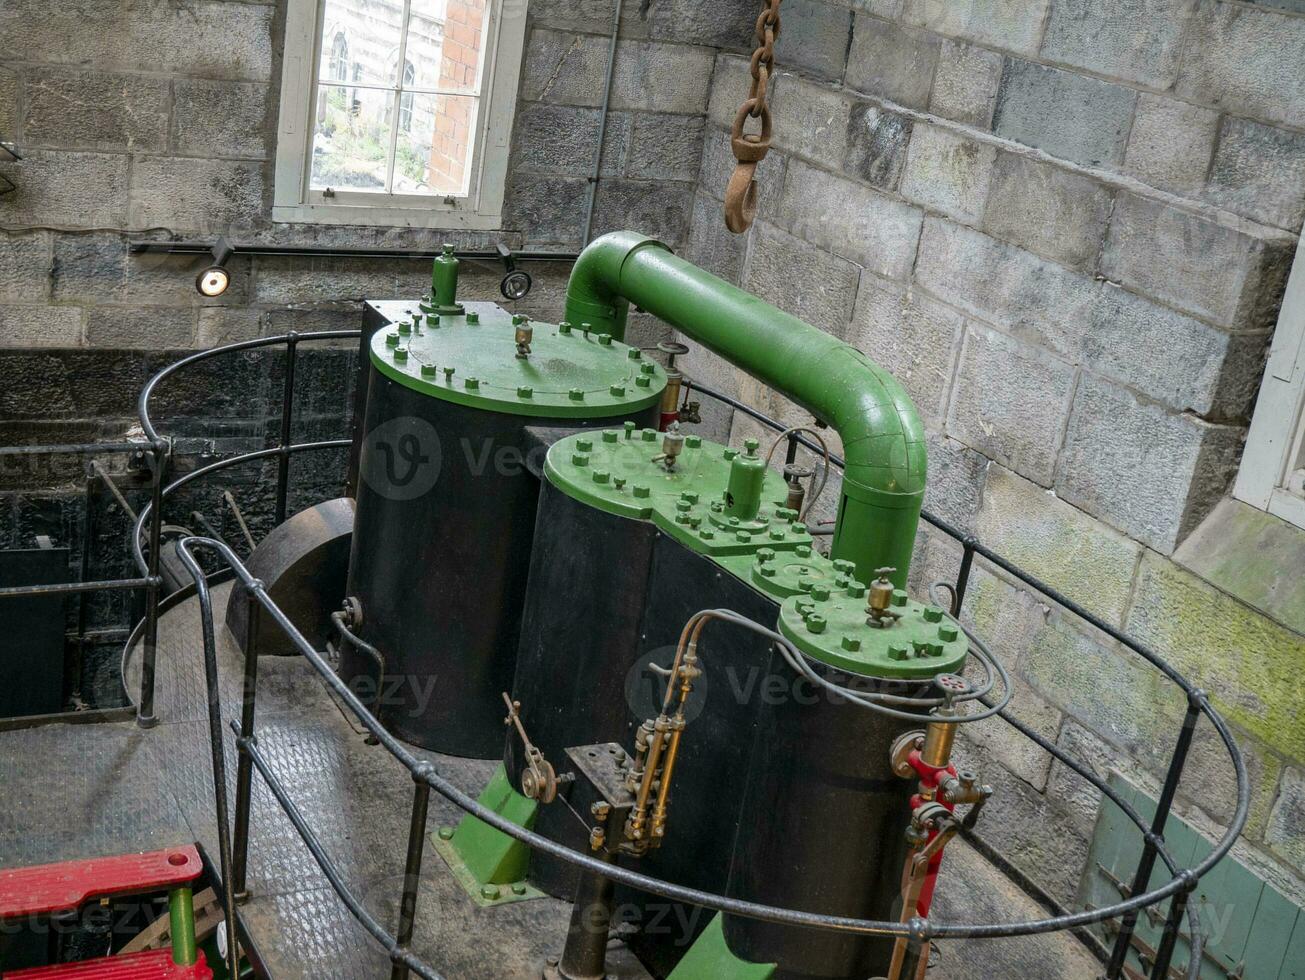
{"x":912,"y":885}
{"x":668,"y":769}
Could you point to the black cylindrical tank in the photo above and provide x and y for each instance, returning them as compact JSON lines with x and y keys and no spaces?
{"x":578,"y":697}
{"x":582,"y":672}
{"x":823,"y":815}
{"x":783,"y":793}
{"x":446,"y":506}
{"x":582,"y":676}
{"x":823,"y":831}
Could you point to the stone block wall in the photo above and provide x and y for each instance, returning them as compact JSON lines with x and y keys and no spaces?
{"x":1065,"y":225}
{"x":156,"y":119}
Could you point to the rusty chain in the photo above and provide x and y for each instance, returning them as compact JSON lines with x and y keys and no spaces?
{"x":750,"y":148}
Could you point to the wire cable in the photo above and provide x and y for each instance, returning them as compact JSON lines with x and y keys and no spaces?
{"x":824,"y":472}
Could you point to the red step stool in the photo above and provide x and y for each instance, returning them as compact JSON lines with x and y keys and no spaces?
{"x":46,"y":889}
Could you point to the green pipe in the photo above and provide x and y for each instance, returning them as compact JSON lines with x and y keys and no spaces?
{"x":181,"y":922}
{"x":883,"y":439}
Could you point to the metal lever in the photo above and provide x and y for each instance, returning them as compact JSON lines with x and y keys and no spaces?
{"x":539,"y":781}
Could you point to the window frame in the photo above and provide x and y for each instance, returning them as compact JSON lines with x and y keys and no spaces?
{"x":480,"y":209}
{"x":1274,"y":442}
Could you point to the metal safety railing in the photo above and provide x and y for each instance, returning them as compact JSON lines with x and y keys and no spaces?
{"x":160,"y":449}
{"x":233,"y":841}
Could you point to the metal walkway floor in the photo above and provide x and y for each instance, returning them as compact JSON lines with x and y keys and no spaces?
{"x":86,"y":790}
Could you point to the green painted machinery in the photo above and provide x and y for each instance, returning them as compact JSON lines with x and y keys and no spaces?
{"x":636,"y":532}
{"x":446,"y":498}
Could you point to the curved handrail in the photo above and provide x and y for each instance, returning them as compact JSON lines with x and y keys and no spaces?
{"x":292,"y":337}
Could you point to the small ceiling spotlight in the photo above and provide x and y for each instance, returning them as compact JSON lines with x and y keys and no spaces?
{"x":214,"y":280}
{"x":516,"y":284}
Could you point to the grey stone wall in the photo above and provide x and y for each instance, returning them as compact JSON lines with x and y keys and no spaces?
{"x":157,"y":119}
{"x":1065,"y":226}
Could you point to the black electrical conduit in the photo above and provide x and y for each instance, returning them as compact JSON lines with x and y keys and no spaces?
{"x":345,"y":252}
{"x":919,"y":930}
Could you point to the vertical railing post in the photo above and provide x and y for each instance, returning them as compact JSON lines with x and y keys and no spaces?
{"x":244,"y":765}
{"x":160,"y":453}
{"x":287,"y":418}
{"x":412,"y":870}
{"x":1146,"y":864}
{"x":585,"y":952}
{"x":222,"y":812}
{"x":83,"y":599}
{"x":1177,"y":909}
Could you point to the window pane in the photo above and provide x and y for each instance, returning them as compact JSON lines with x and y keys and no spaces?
{"x":360,"y":41}
{"x":351,"y":140}
{"x":446,"y":43}
{"x":434,"y":156}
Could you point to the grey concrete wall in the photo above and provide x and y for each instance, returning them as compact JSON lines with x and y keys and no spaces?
{"x":1065,"y":226}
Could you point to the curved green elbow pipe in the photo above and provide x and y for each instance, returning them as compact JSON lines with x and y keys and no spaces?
{"x":883,"y":438}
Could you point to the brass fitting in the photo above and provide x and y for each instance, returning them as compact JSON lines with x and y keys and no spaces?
{"x":939,"y":737}
{"x":879,"y":600}
{"x":963,"y":788}
{"x":525,"y":333}
{"x":672,"y":446}
{"x":797,"y":493}
{"x":671,"y":393}
{"x":674,"y":377}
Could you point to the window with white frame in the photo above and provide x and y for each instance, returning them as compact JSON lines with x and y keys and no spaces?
{"x":1272,"y":474}
{"x":397,"y":112}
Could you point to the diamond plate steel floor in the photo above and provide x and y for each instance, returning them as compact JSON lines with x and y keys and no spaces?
{"x":86,"y":790}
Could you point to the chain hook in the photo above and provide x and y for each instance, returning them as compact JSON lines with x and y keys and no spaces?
{"x":751,"y":148}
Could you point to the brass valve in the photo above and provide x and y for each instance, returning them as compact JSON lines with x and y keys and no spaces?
{"x":797,"y":493}
{"x":672,"y":446}
{"x":879,"y":600}
{"x":674,"y":377}
{"x":525,"y":333}
{"x":940,"y":734}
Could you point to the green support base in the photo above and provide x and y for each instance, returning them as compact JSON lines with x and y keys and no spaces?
{"x":489,"y":864}
{"x":709,"y":958}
